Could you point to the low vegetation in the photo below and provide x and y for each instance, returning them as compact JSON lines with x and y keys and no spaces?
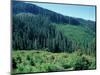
{"x":44,"y":61}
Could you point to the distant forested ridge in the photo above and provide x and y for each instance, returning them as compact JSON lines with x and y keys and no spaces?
{"x":22,"y":7}
{"x":37,"y":28}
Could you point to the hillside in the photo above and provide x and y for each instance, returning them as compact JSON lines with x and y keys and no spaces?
{"x":81,"y":37}
{"x":35,"y":28}
{"x":46,"y":41}
{"x":22,"y":7}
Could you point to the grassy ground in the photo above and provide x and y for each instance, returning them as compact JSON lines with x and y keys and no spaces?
{"x":43,"y":61}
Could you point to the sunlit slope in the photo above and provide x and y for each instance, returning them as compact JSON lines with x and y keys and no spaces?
{"x":78,"y":34}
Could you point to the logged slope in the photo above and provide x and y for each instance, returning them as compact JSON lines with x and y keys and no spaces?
{"x":81,"y":37}
{"x":75,"y":32}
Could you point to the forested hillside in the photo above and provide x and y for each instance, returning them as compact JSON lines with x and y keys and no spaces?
{"x":38,"y":28}
{"x":40,"y":35}
{"x":22,"y":7}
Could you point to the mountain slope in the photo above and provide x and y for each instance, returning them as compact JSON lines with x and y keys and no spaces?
{"x":36,"y":28}
{"x":22,"y":7}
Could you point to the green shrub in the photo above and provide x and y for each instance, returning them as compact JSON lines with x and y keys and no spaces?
{"x":54,"y":67}
{"x":20,"y":68}
{"x":81,"y":64}
{"x":14,"y":63}
{"x":92,"y":61}
{"x":62,"y":62}
{"x":49,"y":67}
{"x":93,"y":64}
{"x":34,"y":69}
{"x":25,"y":68}
{"x":78,"y":62}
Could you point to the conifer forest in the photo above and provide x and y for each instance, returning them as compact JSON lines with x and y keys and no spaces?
{"x":47,"y":41}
